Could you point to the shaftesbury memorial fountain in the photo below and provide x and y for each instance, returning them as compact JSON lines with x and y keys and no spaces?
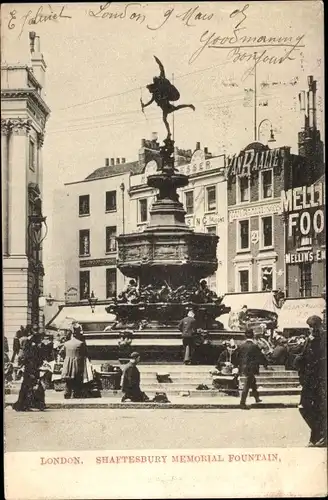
{"x":168,"y":261}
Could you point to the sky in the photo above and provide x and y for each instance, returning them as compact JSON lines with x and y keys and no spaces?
{"x":100,"y":59}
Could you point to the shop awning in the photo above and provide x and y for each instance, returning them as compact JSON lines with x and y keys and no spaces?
{"x":295,"y":312}
{"x":257,"y":300}
{"x":82,"y":314}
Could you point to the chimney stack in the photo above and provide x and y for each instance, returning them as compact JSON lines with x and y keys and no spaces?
{"x":107,"y":162}
{"x":118,"y":161}
{"x":197,"y":145}
{"x":37,"y":61}
{"x":112,"y":161}
{"x":123,"y":160}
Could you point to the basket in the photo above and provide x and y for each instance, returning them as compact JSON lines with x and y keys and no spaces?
{"x":111,"y":381}
{"x":59,"y":385}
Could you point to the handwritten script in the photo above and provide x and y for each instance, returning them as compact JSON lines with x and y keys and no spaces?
{"x":236,"y":41}
{"x":40,"y":15}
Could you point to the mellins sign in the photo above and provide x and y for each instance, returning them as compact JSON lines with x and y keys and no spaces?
{"x":250,"y":161}
{"x":304,"y":206}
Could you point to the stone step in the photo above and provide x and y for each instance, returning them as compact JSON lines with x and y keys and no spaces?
{"x":190,"y":385}
{"x":175,"y":367}
{"x":183,"y":379}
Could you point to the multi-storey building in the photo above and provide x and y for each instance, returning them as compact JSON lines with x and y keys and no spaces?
{"x":303,"y":206}
{"x":24,"y":114}
{"x":276,"y":224}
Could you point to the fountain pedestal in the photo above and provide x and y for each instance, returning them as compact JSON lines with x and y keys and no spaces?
{"x":166,"y":258}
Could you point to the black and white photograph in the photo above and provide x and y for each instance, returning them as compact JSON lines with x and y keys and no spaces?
{"x":163,"y":250}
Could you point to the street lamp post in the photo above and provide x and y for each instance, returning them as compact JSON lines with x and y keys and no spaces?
{"x":272,"y":137}
{"x":92,"y":301}
{"x":36,"y":221}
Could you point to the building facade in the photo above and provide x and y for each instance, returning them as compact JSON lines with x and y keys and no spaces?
{"x":255,"y":226}
{"x":24,"y":115}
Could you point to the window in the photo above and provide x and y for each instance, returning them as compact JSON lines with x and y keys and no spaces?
{"x":266,"y":278}
{"x":110,"y":239}
{"x":266,"y":184}
{"x":110,"y":283}
{"x":110,"y":201}
{"x":210,"y":199}
{"x":143,"y":210}
{"x":243,"y":235}
{"x":244,"y":280}
{"x":84,"y":247}
{"x":84,"y":205}
{"x":32,"y":155}
{"x":243,"y":184}
{"x":306,"y":279}
{"x":84,"y":285}
{"x":211,"y":230}
{"x":189,"y":199}
{"x":267,"y":236}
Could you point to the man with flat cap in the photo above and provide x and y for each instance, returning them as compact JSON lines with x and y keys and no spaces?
{"x":312,"y":366}
{"x":131,"y":381}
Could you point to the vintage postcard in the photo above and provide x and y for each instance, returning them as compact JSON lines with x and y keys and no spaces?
{"x":164,"y":250}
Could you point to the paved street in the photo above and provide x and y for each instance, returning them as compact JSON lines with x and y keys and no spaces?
{"x":83,"y":429}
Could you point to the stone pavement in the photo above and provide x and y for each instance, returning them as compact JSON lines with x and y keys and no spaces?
{"x":55,"y":400}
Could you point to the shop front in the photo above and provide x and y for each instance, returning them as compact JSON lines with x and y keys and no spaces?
{"x":294,"y":313}
{"x":262,"y":308}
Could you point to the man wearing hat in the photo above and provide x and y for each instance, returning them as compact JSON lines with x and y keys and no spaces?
{"x":248,"y":357}
{"x":187,"y":327}
{"x":131,"y":380}
{"x":311,"y":364}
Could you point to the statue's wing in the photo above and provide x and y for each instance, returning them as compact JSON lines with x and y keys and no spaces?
{"x":161,"y":67}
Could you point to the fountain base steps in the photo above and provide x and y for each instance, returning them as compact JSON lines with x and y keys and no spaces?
{"x":183,"y":380}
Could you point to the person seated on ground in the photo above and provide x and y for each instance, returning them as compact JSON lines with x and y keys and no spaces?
{"x":279,"y":355}
{"x":263,"y":343}
{"x":131,"y":381}
{"x":226,"y":356}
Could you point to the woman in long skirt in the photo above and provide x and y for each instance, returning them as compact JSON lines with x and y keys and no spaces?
{"x":31,"y":394}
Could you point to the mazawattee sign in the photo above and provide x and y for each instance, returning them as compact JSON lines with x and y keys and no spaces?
{"x":250,"y":161}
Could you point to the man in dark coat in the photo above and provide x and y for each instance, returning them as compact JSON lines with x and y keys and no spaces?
{"x":311,"y":364}
{"x":131,"y":380}
{"x":74,"y":364}
{"x":248,"y":357}
{"x":187,"y":327}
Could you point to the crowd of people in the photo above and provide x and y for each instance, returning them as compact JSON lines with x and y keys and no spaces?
{"x":305,"y":353}
{"x":36,"y":356}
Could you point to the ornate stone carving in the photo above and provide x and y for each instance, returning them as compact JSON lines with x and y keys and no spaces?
{"x":40,"y":138}
{"x":15,"y":125}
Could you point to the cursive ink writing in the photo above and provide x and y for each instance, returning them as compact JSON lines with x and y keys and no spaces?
{"x":11,"y":24}
{"x":104,"y":12}
{"x":236,"y":55}
{"x":192,"y":15}
{"x":235,"y":42}
{"x":242,"y":11}
{"x":167,"y":16}
{"x":41,"y":17}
